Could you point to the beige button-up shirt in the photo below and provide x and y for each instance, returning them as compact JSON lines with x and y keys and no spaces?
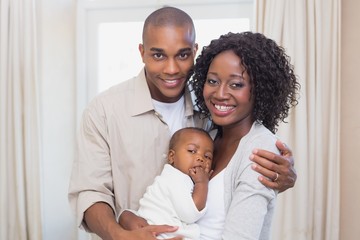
{"x":122,"y":146}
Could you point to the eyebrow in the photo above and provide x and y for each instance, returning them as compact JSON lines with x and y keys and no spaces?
{"x":160,"y":50}
{"x":153,"y":49}
{"x":197,"y":146}
{"x":231,"y":75}
{"x":184,"y":50}
{"x":192,"y":144}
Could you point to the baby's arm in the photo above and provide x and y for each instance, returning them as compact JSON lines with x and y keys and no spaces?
{"x":201,"y":181}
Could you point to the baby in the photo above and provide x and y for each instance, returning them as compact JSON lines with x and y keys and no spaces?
{"x":178,"y":195}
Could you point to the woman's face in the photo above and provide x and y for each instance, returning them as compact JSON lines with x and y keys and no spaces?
{"x":227,"y":91}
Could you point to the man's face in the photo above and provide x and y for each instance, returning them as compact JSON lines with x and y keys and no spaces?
{"x":168,"y":54}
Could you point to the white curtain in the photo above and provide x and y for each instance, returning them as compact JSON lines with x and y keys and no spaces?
{"x":309,"y":30}
{"x":19,"y":128}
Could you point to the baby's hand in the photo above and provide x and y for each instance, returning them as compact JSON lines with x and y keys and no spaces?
{"x":199,"y":174}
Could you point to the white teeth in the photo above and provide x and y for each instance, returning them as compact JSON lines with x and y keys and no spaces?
{"x":223,"y":108}
{"x":170,"y":81}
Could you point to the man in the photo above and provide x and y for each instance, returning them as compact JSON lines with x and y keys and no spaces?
{"x":123,"y":137}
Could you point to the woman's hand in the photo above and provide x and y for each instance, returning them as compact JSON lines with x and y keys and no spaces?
{"x":277,"y":171}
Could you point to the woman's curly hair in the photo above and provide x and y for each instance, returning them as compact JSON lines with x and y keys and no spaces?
{"x":274,"y":85}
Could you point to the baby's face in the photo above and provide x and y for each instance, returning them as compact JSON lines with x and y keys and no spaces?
{"x":194,"y":149}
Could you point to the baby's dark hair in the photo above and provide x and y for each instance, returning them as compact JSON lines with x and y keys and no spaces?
{"x":176,"y":136}
{"x":274,"y":86}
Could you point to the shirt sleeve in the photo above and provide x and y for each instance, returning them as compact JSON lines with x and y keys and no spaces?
{"x":91,"y":178}
{"x":250,"y":200}
{"x":181,"y":197}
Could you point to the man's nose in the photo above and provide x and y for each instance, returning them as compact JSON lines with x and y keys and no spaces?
{"x":171,"y":66}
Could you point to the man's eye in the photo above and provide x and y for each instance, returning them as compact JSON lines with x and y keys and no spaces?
{"x":191,"y":151}
{"x":183,"y":56}
{"x":158,"y":55}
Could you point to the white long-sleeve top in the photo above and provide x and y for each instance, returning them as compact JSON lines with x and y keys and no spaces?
{"x":169,"y":201}
{"x":239,"y":206}
{"x":249,"y":205}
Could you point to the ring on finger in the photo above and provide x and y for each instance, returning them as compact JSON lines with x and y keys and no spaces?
{"x":276,"y":178}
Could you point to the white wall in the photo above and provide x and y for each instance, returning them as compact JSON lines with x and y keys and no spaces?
{"x":350,"y":125}
{"x":56,"y":27}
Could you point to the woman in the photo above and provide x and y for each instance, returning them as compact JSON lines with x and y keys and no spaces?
{"x":245,"y":83}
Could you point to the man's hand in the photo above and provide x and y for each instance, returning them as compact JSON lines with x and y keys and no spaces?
{"x":277,"y":171}
{"x":130,"y":221}
{"x":100,"y":219}
{"x":138,"y":228}
{"x":149,"y":233}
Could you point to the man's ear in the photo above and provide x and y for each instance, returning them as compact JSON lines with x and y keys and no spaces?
{"x":142,"y":51}
{"x":171,"y":155}
{"x":196,"y":47}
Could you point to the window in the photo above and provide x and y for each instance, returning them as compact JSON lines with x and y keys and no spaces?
{"x":109,"y":33}
{"x":119,"y":58}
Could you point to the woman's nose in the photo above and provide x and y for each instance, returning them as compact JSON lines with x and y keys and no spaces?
{"x":221,"y":92}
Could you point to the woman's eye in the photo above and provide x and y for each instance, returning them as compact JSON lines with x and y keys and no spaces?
{"x":211,"y":81}
{"x":237,"y":85}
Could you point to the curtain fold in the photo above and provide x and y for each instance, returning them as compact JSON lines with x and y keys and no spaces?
{"x":309,"y":30}
{"x":20,"y":216}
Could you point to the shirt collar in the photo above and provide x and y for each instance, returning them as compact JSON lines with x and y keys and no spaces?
{"x":141,"y":99}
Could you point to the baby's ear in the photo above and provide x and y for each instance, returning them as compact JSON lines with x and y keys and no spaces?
{"x":171,"y":155}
